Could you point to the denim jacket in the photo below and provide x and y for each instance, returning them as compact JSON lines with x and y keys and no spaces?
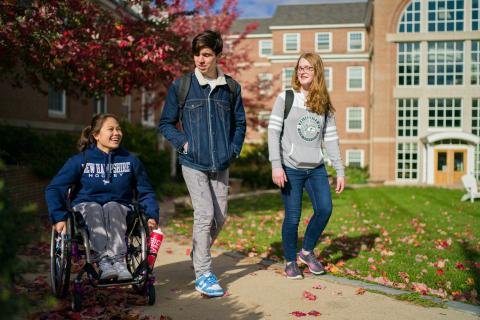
{"x":213,"y":128}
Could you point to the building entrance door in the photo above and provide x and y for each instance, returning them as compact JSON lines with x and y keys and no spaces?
{"x":450,"y":166}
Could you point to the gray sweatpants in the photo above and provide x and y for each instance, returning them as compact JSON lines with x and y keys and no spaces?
{"x":209,"y":192}
{"x":106,"y":226}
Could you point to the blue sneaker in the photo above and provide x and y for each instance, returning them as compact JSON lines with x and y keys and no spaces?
{"x":208,"y":285}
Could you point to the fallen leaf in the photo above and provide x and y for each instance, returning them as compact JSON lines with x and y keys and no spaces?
{"x":298,"y":314}
{"x":440,"y":272}
{"x":459,"y":266}
{"x":187,"y":251}
{"x":310,"y":296}
{"x":360,"y":291}
{"x":314,"y":313}
{"x":319,"y":287}
{"x":169,"y":250}
{"x":226,"y":294}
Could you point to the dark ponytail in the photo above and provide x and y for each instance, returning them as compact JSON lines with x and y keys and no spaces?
{"x":86,"y":137}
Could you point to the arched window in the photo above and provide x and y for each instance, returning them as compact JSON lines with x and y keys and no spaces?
{"x":410,"y":21}
{"x":445,"y":15}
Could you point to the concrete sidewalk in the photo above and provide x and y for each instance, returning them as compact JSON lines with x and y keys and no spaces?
{"x":256,"y":291}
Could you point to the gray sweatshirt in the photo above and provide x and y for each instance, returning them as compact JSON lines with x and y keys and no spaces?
{"x":300,"y":145}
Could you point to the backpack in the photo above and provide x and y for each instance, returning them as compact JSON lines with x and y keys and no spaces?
{"x":288,"y":106}
{"x":184,"y":86}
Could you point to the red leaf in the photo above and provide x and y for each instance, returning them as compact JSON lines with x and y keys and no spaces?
{"x":314,"y":313}
{"x":459,"y":266}
{"x":319,"y":286}
{"x":360,"y":291}
{"x":169,"y":250}
{"x":187,"y":251}
{"x":440,"y":272}
{"x":226,"y":294}
{"x":310,"y":296}
{"x":298,"y":314}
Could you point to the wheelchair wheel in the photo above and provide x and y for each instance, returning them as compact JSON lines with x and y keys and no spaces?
{"x":151,"y":294}
{"x":60,"y":260}
{"x":76,"y":302}
{"x":137,"y":246}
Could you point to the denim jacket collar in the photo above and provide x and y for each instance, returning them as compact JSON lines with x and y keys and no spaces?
{"x":203,"y":82}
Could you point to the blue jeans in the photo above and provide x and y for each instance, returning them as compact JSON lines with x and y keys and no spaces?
{"x":318,"y":188}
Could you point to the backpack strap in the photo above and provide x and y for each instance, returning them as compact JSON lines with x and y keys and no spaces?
{"x":232,"y":89}
{"x":288,"y":103}
{"x":182,"y":92}
{"x":324,"y":129}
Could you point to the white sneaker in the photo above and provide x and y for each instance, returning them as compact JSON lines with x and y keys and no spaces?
{"x":122,"y":271}
{"x":107,"y":270}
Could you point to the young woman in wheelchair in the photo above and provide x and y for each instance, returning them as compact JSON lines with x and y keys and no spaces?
{"x":105,"y":176}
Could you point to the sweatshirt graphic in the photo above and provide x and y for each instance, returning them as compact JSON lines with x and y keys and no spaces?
{"x":296,"y":142}
{"x":101,"y":177}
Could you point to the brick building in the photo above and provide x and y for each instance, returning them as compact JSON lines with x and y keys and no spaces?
{"x":403,"y":76}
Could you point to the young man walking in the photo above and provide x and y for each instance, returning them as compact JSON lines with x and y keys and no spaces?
{"x":209,"y":107}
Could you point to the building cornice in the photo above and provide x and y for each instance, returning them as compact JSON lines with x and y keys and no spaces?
{"x":319,"y":26}
{"x":251,"y":36}
{"x":432,"y":36}
{"x":325,"y":57}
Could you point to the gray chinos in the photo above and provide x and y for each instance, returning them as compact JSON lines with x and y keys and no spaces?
{"x":209,"y":193}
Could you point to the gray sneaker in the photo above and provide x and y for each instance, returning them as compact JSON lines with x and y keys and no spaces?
{"x":122,"y":271}
{"x":107,"y":271}
{"x":312,"y":263}
{"x":293,"y":272}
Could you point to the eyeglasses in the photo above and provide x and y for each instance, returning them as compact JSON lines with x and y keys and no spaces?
{"x":305,"y":69}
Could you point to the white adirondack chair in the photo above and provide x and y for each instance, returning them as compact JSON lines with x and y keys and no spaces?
{"x":471,"y":187}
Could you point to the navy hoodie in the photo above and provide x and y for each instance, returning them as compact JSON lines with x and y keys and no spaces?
{"x":105,"y":177}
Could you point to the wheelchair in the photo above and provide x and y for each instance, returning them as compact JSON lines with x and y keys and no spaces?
{"x":74,"y":245}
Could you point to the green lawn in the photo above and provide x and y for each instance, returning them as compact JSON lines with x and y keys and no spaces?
{"x":421,"y":239}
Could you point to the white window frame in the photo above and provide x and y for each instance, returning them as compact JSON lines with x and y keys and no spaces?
{"x":127,"y":105}
{"x":476,"y":131}
{"x":440,"y":54}
{"x":477,"y":19}
{"x":410,"y":11}
{"x":411,"y":52}
{"x":150,"y":121}
{"x":98,"y":105}
{"x":349,"y":41}
{"x":285,"y":42}
{"x":363,"y":78}
{"x":59,"y":113}
{"x":362,"y":119}
{"x":475,"y":63}
{"x":264,"y":77}
{"x":348,"y":152}
{"x":444,"y":110}
{"x":445,"y":13}
{"x":329,"y":41}
{"x":413,"y":148}
{"x":407,"y":106}
{"x":329,"y":83}
{"x":286,"y":83}
{"x":261,"y":47}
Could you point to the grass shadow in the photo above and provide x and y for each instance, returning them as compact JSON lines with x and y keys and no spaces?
{"x":471,"y":257}
{"x":337,"y":249}
{"x":177,"y":298}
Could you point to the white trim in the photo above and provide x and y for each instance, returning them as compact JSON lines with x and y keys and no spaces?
{"x":285,"y":42}
{"x":363,"y":78}
{"x":150,"y":121}
{"x":60,"y":114}
{"x":251,"y":36}
{"x":127,"y":104}
{"x":318,"y":26}
{"x":354,"y":141}
{"x":434,"y":137}
{"x":330,"y":41}
{"x":433,"y":36}
{"x":262,"y":64}
{"x":362,"y":156}
{"x":358,"y":57}
{"x":260,"y":54}
{"x":362,"y":119}
{"x":349,"y":41}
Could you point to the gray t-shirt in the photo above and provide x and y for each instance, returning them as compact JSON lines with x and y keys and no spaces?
{"x":300,"y":144}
